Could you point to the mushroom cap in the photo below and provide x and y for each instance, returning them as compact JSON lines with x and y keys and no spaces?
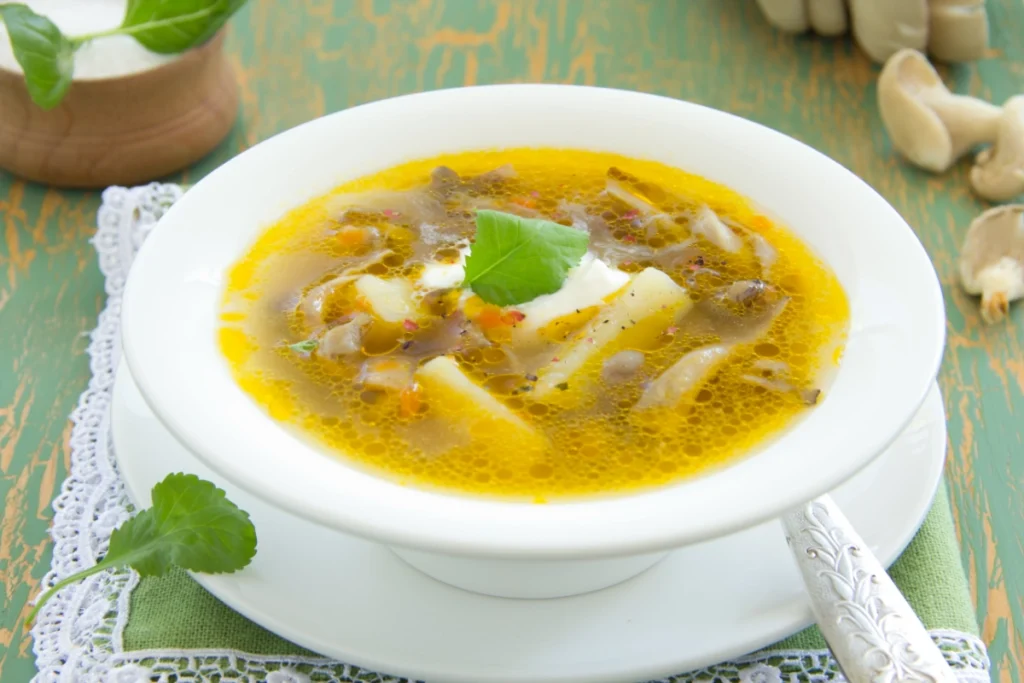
{"x":998,"y":173}
{"x":915,"y":129}
{"x":957,"y":30}
{"x":790,"y":16}
{"x":992,"y":259}
{"x":995,"y":234}
{"x":883,"y":27}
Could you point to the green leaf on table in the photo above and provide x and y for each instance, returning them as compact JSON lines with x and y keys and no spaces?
{"x":191,"y":524}
{"x":45,"y":54}
{"x":172,"y":26}
{"x":515,"y":259}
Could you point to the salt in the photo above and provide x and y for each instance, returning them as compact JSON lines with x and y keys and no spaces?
{"x":107,"y":57}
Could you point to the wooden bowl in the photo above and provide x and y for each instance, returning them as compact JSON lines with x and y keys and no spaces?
{"x":121,"y":131}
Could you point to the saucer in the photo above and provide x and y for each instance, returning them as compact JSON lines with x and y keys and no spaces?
{"x":356,"y":601}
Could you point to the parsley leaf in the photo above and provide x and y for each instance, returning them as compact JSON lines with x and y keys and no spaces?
{"x":305,"y":346}
{"x":515,"y":259}
{"x":191,"y":524}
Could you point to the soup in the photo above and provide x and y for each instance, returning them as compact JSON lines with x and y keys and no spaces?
{"x":533,"y":324}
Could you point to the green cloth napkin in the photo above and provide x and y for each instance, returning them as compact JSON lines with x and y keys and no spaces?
{"x":175,"y":612}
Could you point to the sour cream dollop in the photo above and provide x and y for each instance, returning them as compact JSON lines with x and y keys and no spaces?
{"x":585,"y":285}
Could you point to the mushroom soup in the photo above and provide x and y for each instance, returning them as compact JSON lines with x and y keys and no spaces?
{"x":533,"y":324}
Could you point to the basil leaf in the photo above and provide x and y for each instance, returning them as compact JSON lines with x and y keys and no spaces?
{"x":515,"y":259}
{"x":46,"y":56}
{"x":172,"y":26}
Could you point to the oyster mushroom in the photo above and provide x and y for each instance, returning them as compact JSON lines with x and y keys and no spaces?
{"x":927,"y":123}
{"x":998,"y":173}
{"x":884,"y":27}
{"x":826,"y":17}
{"x":992,"y":260}
{"x":957,"y":30}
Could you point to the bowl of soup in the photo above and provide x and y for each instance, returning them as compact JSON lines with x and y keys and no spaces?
{"x":532,"y":336}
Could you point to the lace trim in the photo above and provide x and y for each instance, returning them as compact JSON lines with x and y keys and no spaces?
{"x":78,"y":635}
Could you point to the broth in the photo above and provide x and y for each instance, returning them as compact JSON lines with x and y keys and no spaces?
{"x":692,"y":330}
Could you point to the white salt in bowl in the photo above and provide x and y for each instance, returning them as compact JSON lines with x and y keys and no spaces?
{"x":519,"y":549}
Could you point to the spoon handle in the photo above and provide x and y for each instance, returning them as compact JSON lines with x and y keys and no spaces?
{"x":874,"y":634}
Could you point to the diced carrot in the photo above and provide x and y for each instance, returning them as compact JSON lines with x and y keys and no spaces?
{"x":409,"y":401}
{"x":512,"y":317}
{"x":490,"y":317}
{"x":353,"y":236}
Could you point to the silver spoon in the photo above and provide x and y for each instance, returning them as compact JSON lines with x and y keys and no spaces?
{"x":872,"y":631}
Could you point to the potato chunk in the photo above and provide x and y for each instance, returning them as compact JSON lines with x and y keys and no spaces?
{"x":390,"y":300}
{"x":645,"y":308}
{"x":454,"y":397}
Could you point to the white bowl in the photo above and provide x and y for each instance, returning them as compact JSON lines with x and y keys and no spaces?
{"x":176,"y":284}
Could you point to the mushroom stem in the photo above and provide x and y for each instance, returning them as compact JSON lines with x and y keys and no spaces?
{"x":970,"y":121}
{"x":927,"y":123}
{"x":957,"y":30}
{"x":998,"y":173}
{"x":994,"y":306}
{"x":998,"y":282}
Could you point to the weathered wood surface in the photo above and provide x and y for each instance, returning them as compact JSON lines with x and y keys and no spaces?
{"x":298,"y":60}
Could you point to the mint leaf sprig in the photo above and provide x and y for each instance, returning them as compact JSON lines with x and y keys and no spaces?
{"x":47,"y":56}
{"x":191,"y":524}
{"x":516,"y":259}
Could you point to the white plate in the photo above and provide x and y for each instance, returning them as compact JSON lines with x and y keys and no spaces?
{"x":356,"y":601}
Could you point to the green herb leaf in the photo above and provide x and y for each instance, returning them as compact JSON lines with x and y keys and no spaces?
{"x":515,"y":260}
{"x":191,"y":524}
{"x":307,"y":346}
{"x":46,"y":56}
{"x":171,"y":26}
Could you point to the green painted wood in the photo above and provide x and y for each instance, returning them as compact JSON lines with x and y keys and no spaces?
{"x":298,"y":60}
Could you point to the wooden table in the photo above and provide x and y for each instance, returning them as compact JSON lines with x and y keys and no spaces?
{"x":298,"y":60}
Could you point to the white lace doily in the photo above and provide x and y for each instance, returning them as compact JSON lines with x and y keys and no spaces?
{"x":78,"y":635}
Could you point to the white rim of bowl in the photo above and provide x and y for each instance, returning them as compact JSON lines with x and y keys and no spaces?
{"x":334,"y":494}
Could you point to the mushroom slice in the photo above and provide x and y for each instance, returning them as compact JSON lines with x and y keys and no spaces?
{"x":386,"y":373}
{"x":461,"y":403}
{"x":884,"y":27}
{"x":929,"y":125}
{"x":641,"y":196}
{"x":998,"y":173}
{"x":957,"y":30}
{"x":622,"y":366}
{"x":992,"y":260}
{"x":708,"y":225}
{"x":686,"y":374}
{"x":312,"y":302}
{"x":634,"y":319}
{"x":344,"y":339}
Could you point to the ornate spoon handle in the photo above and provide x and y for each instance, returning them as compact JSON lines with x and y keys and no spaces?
{"x":872,"y":631}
